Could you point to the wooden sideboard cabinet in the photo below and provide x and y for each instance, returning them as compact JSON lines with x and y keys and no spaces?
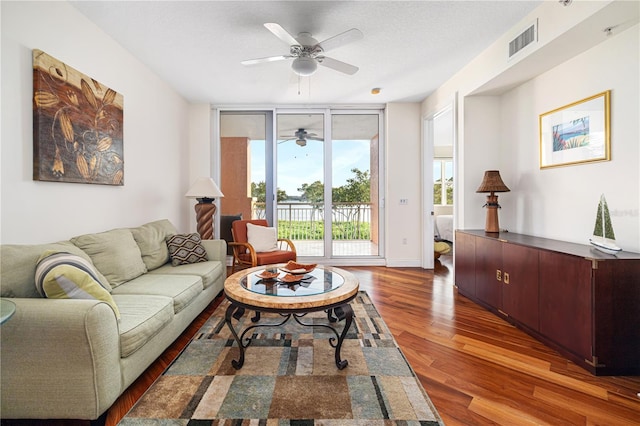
{"x":581,"y":302}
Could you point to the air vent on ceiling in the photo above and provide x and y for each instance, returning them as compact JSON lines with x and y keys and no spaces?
{"x":524,"y":39}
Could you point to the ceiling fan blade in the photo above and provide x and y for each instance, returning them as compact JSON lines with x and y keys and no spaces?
{"x":281,"y":33}
{"x":338,"y":65}
{"x":341,"y":39}
{"x":263,"y":60}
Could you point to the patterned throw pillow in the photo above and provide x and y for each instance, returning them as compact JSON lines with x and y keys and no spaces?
{"x":185,"y":249}
{"x":61,"y":275}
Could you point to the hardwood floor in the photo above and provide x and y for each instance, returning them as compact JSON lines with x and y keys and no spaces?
{"x":480,"y":370}
{"x":476,"y":368}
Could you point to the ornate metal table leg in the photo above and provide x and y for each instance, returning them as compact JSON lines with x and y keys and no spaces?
{"x":330,"y":316}
{"x":227,"y":319}
{"x":343,"y":312}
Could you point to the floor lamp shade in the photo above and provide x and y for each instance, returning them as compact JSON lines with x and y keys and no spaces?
{"x":205,"y":191}
{"x":492,"y":183}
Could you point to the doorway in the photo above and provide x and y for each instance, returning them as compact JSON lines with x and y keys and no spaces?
{"x":439,"y":183}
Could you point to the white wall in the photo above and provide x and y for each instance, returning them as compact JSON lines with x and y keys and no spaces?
{"x":403,"y":179}
{"x":561,"y":203}
{"x":479,"y":152}
{"x":156,"y":133}
{"x":499,"y":105}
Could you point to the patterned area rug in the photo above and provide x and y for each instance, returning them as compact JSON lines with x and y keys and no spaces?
{"x":289,"y":377}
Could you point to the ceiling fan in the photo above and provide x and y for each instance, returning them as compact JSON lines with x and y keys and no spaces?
{"x":307,"y":52}
{"x":301,"y":136}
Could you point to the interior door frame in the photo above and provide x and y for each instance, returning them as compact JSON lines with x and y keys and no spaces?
{"x":428,"y":142}
{"x":427,"y":192}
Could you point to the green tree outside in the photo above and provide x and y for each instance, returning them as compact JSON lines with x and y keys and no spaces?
{"x":259,"y":192}
{"x":351,"y":196}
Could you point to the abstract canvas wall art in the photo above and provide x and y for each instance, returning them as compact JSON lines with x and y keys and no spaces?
{"x":77,"y":126}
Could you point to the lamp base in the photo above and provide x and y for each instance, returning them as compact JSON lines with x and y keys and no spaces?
{"x":491,"y":224}
{"x":204,"y":218}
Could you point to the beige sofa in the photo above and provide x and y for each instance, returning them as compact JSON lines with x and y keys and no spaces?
{"x":71,"y":358}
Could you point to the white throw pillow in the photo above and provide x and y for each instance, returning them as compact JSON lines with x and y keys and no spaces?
{"x":262,"y":238}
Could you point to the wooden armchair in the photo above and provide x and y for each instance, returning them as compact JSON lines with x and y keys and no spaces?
{"x":245,"y":255}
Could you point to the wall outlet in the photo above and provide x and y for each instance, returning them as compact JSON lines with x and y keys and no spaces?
{"x":404,"y":201}
{"x":404,"y":241}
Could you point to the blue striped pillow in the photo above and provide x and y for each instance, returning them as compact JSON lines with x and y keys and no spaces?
{"x":61,"y":275}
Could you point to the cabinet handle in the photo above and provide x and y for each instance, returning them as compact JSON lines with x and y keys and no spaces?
{"x":506,"y":278}
{"x":498,"y":275}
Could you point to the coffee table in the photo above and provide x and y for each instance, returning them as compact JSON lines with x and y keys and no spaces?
{"x":324,"y":289}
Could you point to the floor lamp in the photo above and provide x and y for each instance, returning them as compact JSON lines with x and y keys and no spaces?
{"x":205,"y":191}
{"x":492,"y":183}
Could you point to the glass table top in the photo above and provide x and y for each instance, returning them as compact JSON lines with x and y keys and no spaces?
{"x":318,"y":281}
{"x":7,"y":309}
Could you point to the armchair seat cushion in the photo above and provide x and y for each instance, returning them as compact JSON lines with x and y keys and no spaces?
{"x":270,"y":257}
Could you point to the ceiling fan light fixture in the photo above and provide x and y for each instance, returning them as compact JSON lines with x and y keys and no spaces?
{"x":304,"y":66}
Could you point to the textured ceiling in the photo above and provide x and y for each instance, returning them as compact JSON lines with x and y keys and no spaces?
{"x":409,"y":47}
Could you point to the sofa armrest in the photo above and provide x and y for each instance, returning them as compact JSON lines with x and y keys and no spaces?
{"x":216,"y":250}
{"x":60,"y":359}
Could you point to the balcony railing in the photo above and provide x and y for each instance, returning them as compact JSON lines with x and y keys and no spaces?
{"x":305,"y":221}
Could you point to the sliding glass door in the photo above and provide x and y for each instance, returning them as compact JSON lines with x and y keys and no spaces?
{"x":315,"y":174}
{"x":300,"y":177}
{"x":355,"y":184}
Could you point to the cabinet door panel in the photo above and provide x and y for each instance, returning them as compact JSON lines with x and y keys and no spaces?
{"x":488,"y":265}
{"x":465,"y":254}
{"x":520,"y":289}
{"x":565,"y":301}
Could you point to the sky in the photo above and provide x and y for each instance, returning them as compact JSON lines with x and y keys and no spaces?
{"x":297,"y":165}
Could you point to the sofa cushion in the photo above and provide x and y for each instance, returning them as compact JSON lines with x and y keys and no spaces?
{"x":151,"y":238}
{"x":61,"y":275}
{"x":209,"y":271}
{"x":181,"y":288}
{"x":18,"y":267}
{"x":262,"y":238}
{"x":115,"y":254}
{"x":142,"y":317}
{"x":185,"y":249}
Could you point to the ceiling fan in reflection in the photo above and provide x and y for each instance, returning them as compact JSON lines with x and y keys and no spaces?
{"x":301,"y":136}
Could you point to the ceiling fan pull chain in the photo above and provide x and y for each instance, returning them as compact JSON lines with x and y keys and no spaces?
{"x":299,"y":84}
